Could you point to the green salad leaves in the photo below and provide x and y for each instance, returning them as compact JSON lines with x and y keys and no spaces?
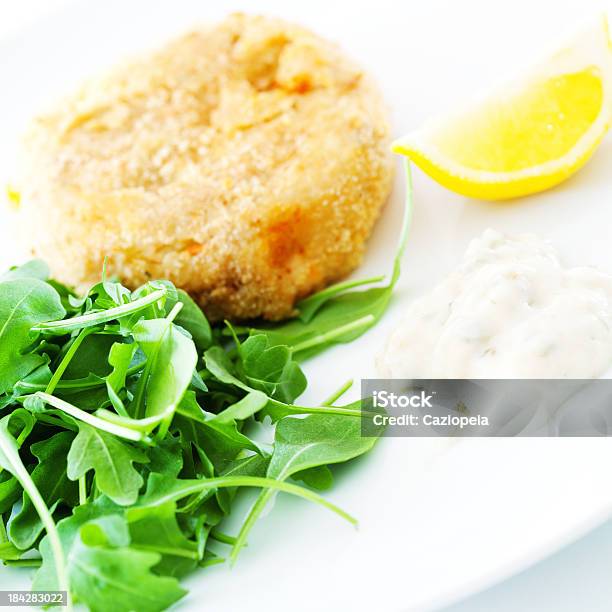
{"x":128,"y":425}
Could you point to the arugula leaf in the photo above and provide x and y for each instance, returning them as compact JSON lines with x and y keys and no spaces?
{"x":157,"y":309}
{"x":106,"y":530}
{"x":309,"y":306}
{"x":40,"y":378}
{"x":68,"y":530}
{"x":36,"y":404}
{"x":10,"y":461}
{"x":318,"y":477}
{"x":35,"y":268}
{"x":222,"y":441}
{"x":112,"y":461}
{"x":53,"y":484}
{"x":271,"y":369}
{"x":24,"y":302}
{"x":122,"y":576}
{"x":10,"y":491}
{"x":155,"y":529}
{"x":303,"y":444}
{"x":18,"y":424}
{"x":249,"y":405}
{"x":9,"y":552}
{"x":107,"y":570}
{"x":87,"y":360}
{"x":119,"y":358}
{"x":92,"y":319}
{"x":220,"y":366}
{"x":111,"y":294}
{"x":194,"y":321}
{"x":253,"y":465}
{"x":171,"y":360}
{"x":166,"y":457}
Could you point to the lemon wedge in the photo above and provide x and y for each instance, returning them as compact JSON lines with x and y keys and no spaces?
{"x":528,"y":135}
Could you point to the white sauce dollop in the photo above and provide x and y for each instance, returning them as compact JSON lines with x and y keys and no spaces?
{"x":510,"y":310}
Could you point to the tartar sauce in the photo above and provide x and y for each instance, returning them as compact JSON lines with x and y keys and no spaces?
{"x":510,"y":310}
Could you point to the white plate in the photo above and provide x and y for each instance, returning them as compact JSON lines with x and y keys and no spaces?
{"x":438,"y":519}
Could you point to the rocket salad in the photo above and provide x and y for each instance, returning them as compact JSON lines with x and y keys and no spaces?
{"x":126,"y":429}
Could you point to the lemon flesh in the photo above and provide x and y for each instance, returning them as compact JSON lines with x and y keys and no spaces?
{"x":525,"y":138}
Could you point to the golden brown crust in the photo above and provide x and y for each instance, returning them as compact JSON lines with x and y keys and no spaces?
{"x":247,"y":163}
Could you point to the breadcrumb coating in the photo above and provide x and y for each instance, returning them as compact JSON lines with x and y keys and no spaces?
{"x":245,"y":162}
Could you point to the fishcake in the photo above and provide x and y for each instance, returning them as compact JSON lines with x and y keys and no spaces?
{"x":246,"y":162}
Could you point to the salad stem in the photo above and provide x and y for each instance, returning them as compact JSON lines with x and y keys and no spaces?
{"x":103,"y":316}
{"x":90,"y":419}
{"x":61,"y":368}
{"x":338,"y":393}
{"x":8,"y":448}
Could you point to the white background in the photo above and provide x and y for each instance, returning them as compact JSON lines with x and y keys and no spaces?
{"x":498,"y":505}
